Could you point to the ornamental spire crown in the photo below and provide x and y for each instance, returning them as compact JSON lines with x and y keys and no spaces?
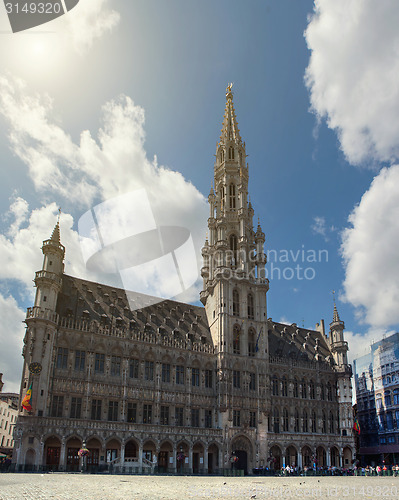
{"x":230,"y":130}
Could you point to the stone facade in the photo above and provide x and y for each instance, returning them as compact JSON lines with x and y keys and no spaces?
{"x":177,"y":386}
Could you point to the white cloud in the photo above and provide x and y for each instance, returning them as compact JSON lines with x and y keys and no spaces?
{"x":88,"y":172}
{"x":11,"y":341}
{"x":370,"y":252}
{"x":319,"y":226}
{"x":352,"y":75}
{"x":90,"y":20}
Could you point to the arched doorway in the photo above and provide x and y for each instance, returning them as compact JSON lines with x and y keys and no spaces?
{"x":148,"y":452}
{"x":93,"y":458}
{"x":242,"y":449}
{"x":73,"y":446}
{"x":291,"y":457}
{"x":130,"y":451}
{"x":30,"y":458}
{"x":52,"y":452}
{"x":275,"y":458}
{"x":181,"y":457}
{"x":112,"y":450}
{"x":347,"y":458}
{"x":213,"y":458}
{"x":306,"y":457}
{"x":321,"y":457}
{"x":164,"y":455}
{"x":334,"y":454}
{"x":198,"y":458}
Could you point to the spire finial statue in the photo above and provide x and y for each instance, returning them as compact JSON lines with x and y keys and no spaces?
{"x":229,"y":92}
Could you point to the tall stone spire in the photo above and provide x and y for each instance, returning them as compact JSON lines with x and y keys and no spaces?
{"x":230,"y":130}
{"x":56,"y":233}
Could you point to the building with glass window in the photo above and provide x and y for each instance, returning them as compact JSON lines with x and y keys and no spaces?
{"x":182,"y":387}
{"x":377,"y":396}
{"x":8,"y":417}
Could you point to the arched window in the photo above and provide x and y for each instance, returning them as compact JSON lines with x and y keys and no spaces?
{"x":232,"y":196}
{"x":231,"y":153}
{"x":284,"y":387}
{"x":305,"y":421}
{"x":236,"y":303}
{"x":222,"y":155}
{"x":236,"y":339}
{"x":389,"y":420}
{"x":331,"y":423}
{"x":285,"y":420}
{"x":296,"y":421}
{"x":222,"y":195}
{"x":322,"y":392}
{"x":251,"y":313}
{"x":323,"y":423}
{"x":275,"y":385}
{"x":295,"y":388}
{"x":313,"y":422}
{"x":233,"y":248}
{"x":303,"y":390}
{"x":311,"y":390}
{"x":251,"y":342}
{"x":329,"y":392}
{"x":276,"y":420}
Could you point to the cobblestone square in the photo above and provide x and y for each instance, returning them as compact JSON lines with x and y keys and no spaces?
{"x":60,"y":486}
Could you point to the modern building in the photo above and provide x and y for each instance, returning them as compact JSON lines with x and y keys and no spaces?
{"x":377,"y":396}
{"x":194,"y":389}
{"x":8,"y":418}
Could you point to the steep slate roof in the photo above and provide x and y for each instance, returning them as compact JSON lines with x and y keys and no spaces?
{"x":85,"y":300}
{"x":290,"y":341}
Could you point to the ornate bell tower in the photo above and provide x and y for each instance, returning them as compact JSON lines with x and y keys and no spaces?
{"x":339,"y":349}
{"x":234,"y":289}
{"x":41,"y":325}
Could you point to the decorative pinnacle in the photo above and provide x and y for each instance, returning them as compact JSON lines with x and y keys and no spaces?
{"x":229,"y":92}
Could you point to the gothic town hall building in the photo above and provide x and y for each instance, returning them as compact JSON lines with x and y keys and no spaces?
{"x":181,"y":387}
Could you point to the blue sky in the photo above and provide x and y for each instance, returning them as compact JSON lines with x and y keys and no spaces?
{"x":152,"y":76}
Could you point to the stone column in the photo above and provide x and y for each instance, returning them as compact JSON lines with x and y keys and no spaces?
{"x":328,"y":457}
{"x":62,"y":466}
{"x":122,"y":454}
{"x":205,"y":464}
{"x":190,"y":459}
{"x":40,"y":455}
{"x":141,"y":454}
{"x":174,"y":453}
{"x":299,"y":459}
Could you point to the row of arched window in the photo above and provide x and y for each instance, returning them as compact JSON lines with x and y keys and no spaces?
{"x":232,"y":197}
{"x":302,"y":422}
{"x":237,"y":332}
{"x":231,"y":154}
{"x":300,"y":388}
{"x":250,"y":305}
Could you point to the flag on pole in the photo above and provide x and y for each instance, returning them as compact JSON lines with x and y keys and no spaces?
{"x":257,"y":340}
{"x":356,"y":426}
{"x":27,"y":401}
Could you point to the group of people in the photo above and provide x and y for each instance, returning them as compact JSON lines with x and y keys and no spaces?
{"x":325,"y":471}
{"x":379,"y":470}
{"x":5,"y":463}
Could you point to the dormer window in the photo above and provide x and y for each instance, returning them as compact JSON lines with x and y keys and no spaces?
{"x":222,"y":155}
{"x":231,"y":153}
